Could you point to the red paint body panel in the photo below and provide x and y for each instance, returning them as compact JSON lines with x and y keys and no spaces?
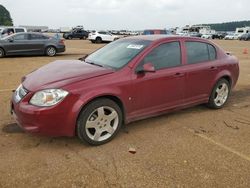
{"x":142,"y":95}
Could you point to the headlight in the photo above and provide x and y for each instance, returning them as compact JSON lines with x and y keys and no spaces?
{"x":48,"y":97}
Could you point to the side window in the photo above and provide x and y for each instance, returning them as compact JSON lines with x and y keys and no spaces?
{"x":198,"y":52}
{"x":36,"y":37}
{"x":19,"y":30}
{"x":165,"y":56}
{"x":20,"y":37}
{"x":212,"y":52}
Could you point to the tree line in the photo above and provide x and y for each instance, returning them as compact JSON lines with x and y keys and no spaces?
{"x":5,"y":18}
{"x":228,"y":26}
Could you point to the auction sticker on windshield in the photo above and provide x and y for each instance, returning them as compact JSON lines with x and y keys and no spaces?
{"x":134,"y":46}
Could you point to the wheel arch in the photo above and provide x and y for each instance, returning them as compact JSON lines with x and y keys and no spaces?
{"x":114,"y":98}
{"x":4,"y":52}
{"x":49,"y":45}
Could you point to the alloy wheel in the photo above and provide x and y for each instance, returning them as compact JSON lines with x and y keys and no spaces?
{"x":102,"y":123}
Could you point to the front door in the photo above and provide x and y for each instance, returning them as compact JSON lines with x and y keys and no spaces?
{"x":163,"y":89}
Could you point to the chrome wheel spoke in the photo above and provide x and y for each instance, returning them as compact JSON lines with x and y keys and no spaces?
{"x":112,"y":116}
{"x":100,"y":112}
{"x":91,"y":124}
{"x":110,"y":129}
{"x":97,"y":135}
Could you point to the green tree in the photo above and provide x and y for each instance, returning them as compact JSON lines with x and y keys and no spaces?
{"x":5,"y":18}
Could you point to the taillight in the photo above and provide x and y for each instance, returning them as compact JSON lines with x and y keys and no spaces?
{"x":61,"y":41}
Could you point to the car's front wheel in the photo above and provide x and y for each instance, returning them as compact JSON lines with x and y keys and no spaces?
{"x":1,"y":53}
{"x":98,"y":40}
{"x":220,"y":94}
{"x":50,"y":51}
{"x":99,"y":121}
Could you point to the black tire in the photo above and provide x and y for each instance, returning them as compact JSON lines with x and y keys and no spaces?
{"x":98,"y":40}
{"x":50,"y":51}
{"x":2,"y":53}
{"x":100,"y":123}
{"x":213,"y":97}
{"x":69,"y":37}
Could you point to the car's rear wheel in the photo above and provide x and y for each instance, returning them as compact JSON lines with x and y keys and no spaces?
{"x":69,"y":37}
{"x":2,"y":54}
{"x":98,"y":40}
{"x":220,"y":94}
{"x":99,"y":122}
{"x":50,"y":51}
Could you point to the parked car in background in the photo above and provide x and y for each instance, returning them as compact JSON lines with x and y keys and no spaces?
{"x":102,"y":36}
{"x":154,"y":32}
{"x":80,"y":34}
{"x":232,"y":36}
{"x":219,"y":35}
{"x":5,"y":31}
{"x":195,"y":34}
{"x":245,"y":36}
{"x":130,"y":79}
{"x":207,"y":36}
{"x":31,"y":44}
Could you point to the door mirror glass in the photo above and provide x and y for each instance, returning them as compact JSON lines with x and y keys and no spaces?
{"x":147,"y":67}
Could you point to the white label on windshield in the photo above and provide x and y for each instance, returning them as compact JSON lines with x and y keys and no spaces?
{"x":134,"y":46}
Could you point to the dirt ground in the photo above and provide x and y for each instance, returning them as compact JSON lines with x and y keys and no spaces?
{"x":196,"y":147}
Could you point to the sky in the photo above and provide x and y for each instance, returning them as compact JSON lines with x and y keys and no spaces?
{"x":125,"y":14}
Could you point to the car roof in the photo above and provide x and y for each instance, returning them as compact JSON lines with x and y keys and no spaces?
{"x":160,"y":37}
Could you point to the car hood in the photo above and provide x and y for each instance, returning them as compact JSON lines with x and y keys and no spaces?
{"x":60,"y":73}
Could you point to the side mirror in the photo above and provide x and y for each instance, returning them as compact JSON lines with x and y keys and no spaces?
{"x":147,"y":67}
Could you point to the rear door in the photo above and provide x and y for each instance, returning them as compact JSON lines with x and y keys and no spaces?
{"x":164,"y":88}
{"x":201,"y":67}
{"x":37,"y":43}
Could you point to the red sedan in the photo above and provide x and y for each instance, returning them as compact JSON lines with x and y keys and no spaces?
{"x":130,"y":79}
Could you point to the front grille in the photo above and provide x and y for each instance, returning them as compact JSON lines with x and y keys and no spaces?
{"x":20,"y":93}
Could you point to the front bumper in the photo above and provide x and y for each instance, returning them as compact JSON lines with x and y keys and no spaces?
{"x":59,"y":120}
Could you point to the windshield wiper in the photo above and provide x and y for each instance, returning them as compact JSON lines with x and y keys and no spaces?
{"x":92,"y":63}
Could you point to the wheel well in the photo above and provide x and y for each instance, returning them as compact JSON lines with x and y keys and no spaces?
{"x":50,"y":46}
{"x":98,"y":38}
{"x":3,"y":50}
{"x":228,"y":79}
{"x":111,"y":97}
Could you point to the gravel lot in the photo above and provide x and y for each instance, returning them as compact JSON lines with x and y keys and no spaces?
{"x":196,"y":147}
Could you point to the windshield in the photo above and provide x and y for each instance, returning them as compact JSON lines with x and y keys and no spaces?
{"x":117,"y":54}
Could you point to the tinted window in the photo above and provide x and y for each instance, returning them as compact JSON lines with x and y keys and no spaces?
{"x":103,"y":32}
{"x":212,"y":52}
{"x":200,"y":52}
{"x":37,"y":37}
{"x":20,"y":37}
{"x":165,"y":55}
{"x":19,"y":30}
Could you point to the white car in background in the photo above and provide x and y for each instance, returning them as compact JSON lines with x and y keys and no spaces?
{"x":233,"y":36}
{"x":207,"y":36}
{"x":102,"y":36}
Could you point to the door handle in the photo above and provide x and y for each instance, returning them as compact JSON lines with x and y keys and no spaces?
{"x":178,"y":74}
{"x":213,"y":68}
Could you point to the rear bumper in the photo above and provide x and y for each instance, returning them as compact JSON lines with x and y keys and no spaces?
{"x":61,"y":49}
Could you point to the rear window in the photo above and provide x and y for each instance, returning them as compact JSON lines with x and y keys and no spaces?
{"x":19,"y":30}
{"x":198,"y":52}
{"x":38,"y":37}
